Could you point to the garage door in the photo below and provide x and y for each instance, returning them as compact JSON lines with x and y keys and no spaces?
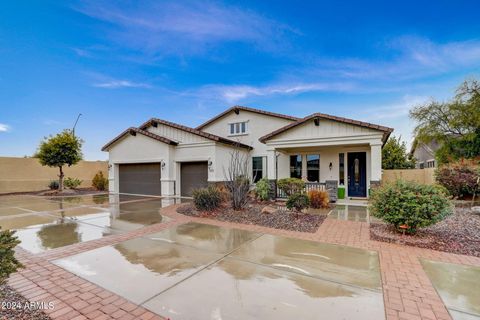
{"x":140,"y":178}
{"x":194,"y":175}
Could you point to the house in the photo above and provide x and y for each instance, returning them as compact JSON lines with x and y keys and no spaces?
{"x":165,"y":158}
{"x":424,"y":154}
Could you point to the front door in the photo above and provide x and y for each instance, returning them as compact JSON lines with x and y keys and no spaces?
{"x":357,"y":174}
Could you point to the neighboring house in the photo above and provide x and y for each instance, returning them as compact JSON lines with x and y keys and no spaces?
{"x":165,"y":158}
{"x":424,"y":154}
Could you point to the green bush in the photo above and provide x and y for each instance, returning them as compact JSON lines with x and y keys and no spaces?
{"x":411,"y":204}
{"x":53,"y":185}
{"x":263,"y":189}
{"x":298,"y":201}
{"x":72,"y":183}
{"x":207,"y":199}
{"x":99,"y":181}
{"x":8,"y":263}
{"x":291,"y":185}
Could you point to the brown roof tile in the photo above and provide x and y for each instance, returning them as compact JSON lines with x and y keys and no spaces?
{"x":386,"y":130}
{"x":134,"y":131}
{"x":194,"y":131}
{"x":268,"y":113}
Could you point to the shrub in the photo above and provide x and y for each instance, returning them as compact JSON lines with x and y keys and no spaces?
{"x":460,"y":178}
{"x":318,"y":199}
{"x":99,"y":181}
{"x":409,"y":203}
{"x":53,"y":185}
{"x":72,"y":183}
{"x":298,"y":201}
{"x":291,"y":185}
{"x":8,"y":263}
{"x":263,"y":189}
{"x":207,"y":199}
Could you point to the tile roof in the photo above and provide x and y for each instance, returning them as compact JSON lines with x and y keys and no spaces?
{"x":238,"y":108}
{"x":386,"y":130}
{"x":195,"y":131}
{"x":134,"y":131}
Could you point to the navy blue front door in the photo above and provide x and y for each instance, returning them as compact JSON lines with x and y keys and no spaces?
{"x":357,"y":174}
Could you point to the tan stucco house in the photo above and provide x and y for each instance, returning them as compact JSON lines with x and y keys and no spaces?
{"x":164,"y":158}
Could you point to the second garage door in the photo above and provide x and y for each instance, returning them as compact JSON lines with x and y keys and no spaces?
{"x":193,"y":175}
{"x":140,"y":178}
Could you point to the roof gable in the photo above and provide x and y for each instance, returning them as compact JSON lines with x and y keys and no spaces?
{"x":237,"y":109}
{"x":133,"y":131}
{"x":319,"y":116}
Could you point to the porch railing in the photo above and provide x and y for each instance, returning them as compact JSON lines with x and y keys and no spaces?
{"x":321,"y":186}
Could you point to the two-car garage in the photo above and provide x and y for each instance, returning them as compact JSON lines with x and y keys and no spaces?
{"x":145,"y":178}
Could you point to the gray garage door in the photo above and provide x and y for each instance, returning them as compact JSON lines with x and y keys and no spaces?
{"x":194,"y":175}
{"x":140,"y":178}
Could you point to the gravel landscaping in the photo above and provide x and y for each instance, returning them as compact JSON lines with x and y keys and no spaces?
{"x":458,"y":233}
{"x":278,"y":219}
{"x":16,"y":307}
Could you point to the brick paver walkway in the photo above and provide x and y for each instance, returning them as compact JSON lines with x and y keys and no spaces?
{"x":408,"y":293}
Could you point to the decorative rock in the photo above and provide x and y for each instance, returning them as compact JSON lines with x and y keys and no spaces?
{"x":268,"y":210}
{"x":476,"y":210}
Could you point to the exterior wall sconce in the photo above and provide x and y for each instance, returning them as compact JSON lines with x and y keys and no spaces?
{"x":330,"y":166}
{"x":210,"y":165}
{"x":162,"y":164}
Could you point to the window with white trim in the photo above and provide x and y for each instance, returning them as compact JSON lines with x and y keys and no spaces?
{"x":238,"y":128}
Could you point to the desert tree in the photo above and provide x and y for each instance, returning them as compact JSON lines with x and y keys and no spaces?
{"x":394,"y":155}
{"x":236,"y":178}
{"x":63,"y":149}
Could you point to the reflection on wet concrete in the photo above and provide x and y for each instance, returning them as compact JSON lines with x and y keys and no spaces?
{"x":351,"y":213}
{"x":333,"y":262}
{"x":223,"y":291}
{"x":205,"y":237}
{"x":142,"y":267}
{"x":61,"y":233}
{"x":458,"y":286}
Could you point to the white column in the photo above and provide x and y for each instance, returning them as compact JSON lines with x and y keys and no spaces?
{"x":376,"y":161}
{"x":167,"y":174}
{"x":271,"y":164}
{"x":304,"y":165}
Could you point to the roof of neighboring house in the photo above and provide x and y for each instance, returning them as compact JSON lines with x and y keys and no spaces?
{"x":238,"y":108}
{"x":430,"y":147}
{"x":133,"y":131}
{"x":386,"y":130}
{"x":194,"y":131}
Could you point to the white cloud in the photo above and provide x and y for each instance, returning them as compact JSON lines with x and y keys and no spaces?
{"x":116,"y":84}
{"x":183,"y":27}
{"x":4,"y":127}
{"x":235,"y":93}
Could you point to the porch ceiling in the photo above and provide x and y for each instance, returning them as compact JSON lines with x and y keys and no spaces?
{"x":319,"y":148}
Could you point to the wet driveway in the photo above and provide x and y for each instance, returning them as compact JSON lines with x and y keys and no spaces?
{"x":47,"y":223}
{"x":458,"y":286}
{"x":200,"y":271}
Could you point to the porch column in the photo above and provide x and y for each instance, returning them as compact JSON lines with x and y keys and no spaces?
{"x":271,"y":164}
{"x":376,"y":161}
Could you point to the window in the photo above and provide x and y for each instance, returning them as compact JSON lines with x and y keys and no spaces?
{"x":296,"y":166}
{"x":257,"y":168}
{"x":431,"y":164}
{"x":341,"y":168}
{"x":313,"y":167}
{"x":421,"y":165}
{"x":238,"y":128}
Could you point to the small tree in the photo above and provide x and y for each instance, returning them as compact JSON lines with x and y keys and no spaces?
{"x":8,"y":263}
{"x":63,"y":149}
{"x":394,"y":155}
{"x":237,"y":182}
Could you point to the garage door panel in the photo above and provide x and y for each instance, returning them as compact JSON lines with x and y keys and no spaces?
{"x":140,"y":178}
{"x":194,"y":175}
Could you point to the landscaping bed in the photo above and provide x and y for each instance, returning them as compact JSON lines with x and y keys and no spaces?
{"x":458,"y":233}
{"x":22,"y":311}
{"x":278,"y":219}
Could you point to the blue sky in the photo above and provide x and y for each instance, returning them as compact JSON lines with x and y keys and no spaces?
{"x":122,"y":62}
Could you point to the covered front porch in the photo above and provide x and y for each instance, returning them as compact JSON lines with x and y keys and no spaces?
{"x":345,"y":171}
